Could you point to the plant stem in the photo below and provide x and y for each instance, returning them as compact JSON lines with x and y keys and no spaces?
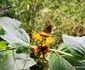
{"x":25,"y":62}
{"x":58,"y":51}
{"x":7,"y":49}
{"x":14,"y":59}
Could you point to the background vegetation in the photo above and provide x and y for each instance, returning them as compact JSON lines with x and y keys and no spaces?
{"x":66,"y":16}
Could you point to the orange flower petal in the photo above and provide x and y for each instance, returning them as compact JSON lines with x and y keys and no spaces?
{"x":36,"y":50}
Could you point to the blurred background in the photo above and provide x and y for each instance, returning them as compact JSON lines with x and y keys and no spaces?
{"x":65,"y":16}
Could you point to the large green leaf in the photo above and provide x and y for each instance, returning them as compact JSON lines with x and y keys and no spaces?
{"x":76,"y":45}
{"x":79,"y":65}
{"x":56,"y":62}
{"x":14,"y":35}
{"x":7,"y":61}
{"x":22,"y":58}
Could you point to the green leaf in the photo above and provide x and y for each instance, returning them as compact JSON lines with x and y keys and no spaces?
{"x":1,"y":31}
{"x":64,"y":47}
{"x":14,"y":35}
{"x":76,"y":45}
{"x":56,"y":62}
{"x":3,"y":45}
{"x":79,"y":65}
{"x":74,"y":62}
{"x":7,"y":61}
{"x":22,"y":49}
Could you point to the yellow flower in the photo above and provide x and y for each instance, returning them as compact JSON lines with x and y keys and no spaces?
{"x":41,"y":56}
{"x":49,"y":40}
{"x":42,"y":37}
{"x":36,"y":37}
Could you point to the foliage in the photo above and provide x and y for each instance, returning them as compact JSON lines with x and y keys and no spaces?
{"x":3,"y":45}
{"x":76,"y":44}
{"x":56,"y":58}
{"x":76,"y":47}
{"x":66,"y":17}
{"x":57,"y":62}
{"x":7,"y":62}
{"x":16,"y":37}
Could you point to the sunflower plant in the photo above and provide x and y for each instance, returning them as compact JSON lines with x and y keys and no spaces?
{"x":43,"y":41}
{"x":43,"y":50}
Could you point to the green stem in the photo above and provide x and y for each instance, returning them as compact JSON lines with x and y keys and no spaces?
{"x":15,"y":59}
{"x":25,"y":62}
{"x":7,"y":49}
{"x":61,"y":52}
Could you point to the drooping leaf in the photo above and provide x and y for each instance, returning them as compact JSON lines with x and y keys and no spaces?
{"x":56,"y":62}
{"x":14,"y":35}
{"x":7,"y":61}
{"x":20,"y":60}
{"x":79,"y":65}
{"x":77,"y":45}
